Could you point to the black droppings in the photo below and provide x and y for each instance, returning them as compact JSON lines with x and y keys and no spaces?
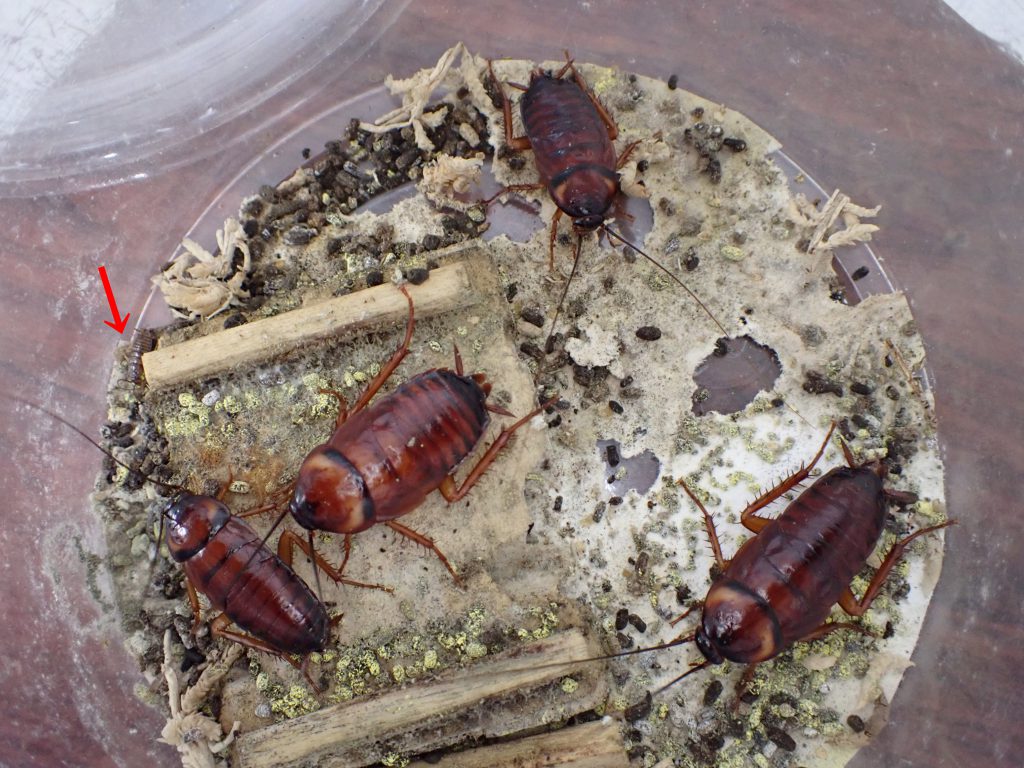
{"x":417,"y":275}
{"x":533,"y":316}
{"x":780,"y":738}
{"x":712,"y":692}
{"x":621,"y":619}
{"x":639,"y":710}
{"x":648,"y":333}
{"x":612,"y":455}
{"x":818,"y":384}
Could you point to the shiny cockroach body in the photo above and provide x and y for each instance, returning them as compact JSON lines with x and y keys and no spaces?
{"x":572,"y":137}
{"x":225,"y":560}
{"x":780,"y":586}
{"x":384,"y":459}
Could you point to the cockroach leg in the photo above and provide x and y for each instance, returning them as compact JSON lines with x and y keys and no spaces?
{"x":342,"y":405}
{"x":849,"y":603}
{"x":286,"y":549}
{"x":832,"y":626}
{"x":514,"y":142}
{"x":607,"y":119}
{"x":193,"y":600}
{"x":219,"y":628}
{"x":754,"y":522}
{"x":681,"y":616}
{"x":448,"y":488}
{"x":424,"y":541}
{"x":393,"y":363}
{"x":709,"y":525}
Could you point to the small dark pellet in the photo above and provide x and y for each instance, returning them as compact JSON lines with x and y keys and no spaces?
{"x":736,"y":145}
{"x":533,"y":316}
{"x":417,"y":275}
{"x":639,"y":710}
{"x":612,"y":455}
{"x":557,"y":506}
{"x":691,"y":261}
{"x":642,"y":561}
{"x":638,"y":623}
{"x":615,"y":406}
{"x":859,"y":273}
{"x":234,"y":320}
{"x":856,"y":724}
{"x":374,"y":277}
{"x":712,"y":692}
{"x":780,"y":738}
{"x":621,"y":619}
{"x":673,"y":82}
{"x":892,"y":393}
{"x":648,"y":333}
{"x":306,"y":152}
{"x":615,"y":501}
{"x":431,"y":242}
{"x":625,"y":641}
{"x":532,"y":350}
{"x":861,"y":388}
{"x":818,"y":384}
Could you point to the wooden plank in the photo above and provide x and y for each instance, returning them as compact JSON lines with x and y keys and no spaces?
{"x":448,"y":288}
{"x":590,"y":745}
{"x":463,"y":704}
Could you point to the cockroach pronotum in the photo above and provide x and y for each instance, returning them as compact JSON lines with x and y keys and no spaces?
{"x":384,"y":459}
{"x":780,"y":586}
{"x":225,"y":559}
{"x":572,"y":137}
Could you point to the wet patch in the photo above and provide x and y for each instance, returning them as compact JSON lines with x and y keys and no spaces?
{"x":733,"y":374}
{"x":627,"y":473}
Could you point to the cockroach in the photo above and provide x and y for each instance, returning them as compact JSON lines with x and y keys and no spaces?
{"x":572,"y":137}
{"x":143,"y":341}
{"x":780,"y":586}
{"x":255,"y":589}
{"x":384,"y":459}
{"x":225,"y":559}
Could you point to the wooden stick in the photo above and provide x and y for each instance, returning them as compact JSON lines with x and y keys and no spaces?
{"x":591,"y":745}
{"x":461,"y":705}
{"x":448,"y":288}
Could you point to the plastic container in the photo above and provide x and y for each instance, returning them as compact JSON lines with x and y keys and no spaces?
{"x":915,"y":111}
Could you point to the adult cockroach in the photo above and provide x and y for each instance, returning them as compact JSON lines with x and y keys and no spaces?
{"x":384,"y":459}
{"x":780,"y":586}
{"x":572,"y":137}
{"x":253,"y":588}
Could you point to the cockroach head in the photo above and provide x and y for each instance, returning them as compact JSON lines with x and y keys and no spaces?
{"x":191,"y":522}
{"x":585,"y":193}
{"x":738,"y":625}
{"x":330,"y":494}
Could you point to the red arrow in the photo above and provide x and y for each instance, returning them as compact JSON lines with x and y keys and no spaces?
{"x":118,"y":323}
